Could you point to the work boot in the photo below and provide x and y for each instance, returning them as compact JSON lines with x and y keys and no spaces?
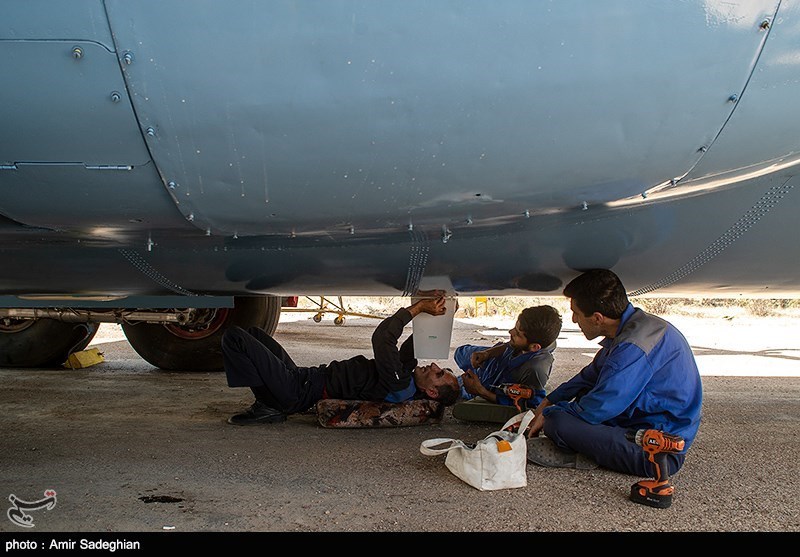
{"x":544,"y":452}
{"x":258,"y":413}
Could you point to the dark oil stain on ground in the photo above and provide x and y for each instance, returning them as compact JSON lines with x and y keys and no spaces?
{"x":159,"y":499}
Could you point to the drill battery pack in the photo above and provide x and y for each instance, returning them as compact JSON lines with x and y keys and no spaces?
{"x":652,"y":495}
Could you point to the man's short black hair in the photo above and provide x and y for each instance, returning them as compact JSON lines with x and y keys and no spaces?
{"x":448,"y":395}
{"x":598,"y":290}
{"x":540,"y":325}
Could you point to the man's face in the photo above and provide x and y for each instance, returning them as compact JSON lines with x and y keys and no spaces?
{"x":588,"y":324}
{"x":518,"y":339}
{"x":431,"y":376}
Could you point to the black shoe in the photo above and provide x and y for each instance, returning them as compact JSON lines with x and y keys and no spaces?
{"x":258,"y":413}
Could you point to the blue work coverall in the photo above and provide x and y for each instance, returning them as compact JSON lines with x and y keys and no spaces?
{"x":531,"y":369}
{"x":645,"y":377}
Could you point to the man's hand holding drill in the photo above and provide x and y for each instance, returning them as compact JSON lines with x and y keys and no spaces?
{"x":473,"y":385}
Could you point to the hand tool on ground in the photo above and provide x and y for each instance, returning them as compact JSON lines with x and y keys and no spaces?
{"x":657,"y":444}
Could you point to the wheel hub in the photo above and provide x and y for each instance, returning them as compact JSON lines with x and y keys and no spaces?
{"x":204,"y":323}
{"x":14,"y":325}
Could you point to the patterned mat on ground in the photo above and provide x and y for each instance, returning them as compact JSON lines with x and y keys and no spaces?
{"x":362,"y":413}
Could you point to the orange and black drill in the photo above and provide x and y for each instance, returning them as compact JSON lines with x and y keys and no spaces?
{"x":655,"y":493}
{"x":517,"y":393}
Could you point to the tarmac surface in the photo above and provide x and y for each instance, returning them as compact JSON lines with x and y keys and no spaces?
{"x":130,"y":448}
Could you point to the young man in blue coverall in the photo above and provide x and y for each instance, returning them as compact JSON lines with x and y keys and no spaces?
{"x":644,"y":377}
{"x":526,"y":359}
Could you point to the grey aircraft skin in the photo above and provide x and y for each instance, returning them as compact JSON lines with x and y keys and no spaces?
{"x":161,"y":155}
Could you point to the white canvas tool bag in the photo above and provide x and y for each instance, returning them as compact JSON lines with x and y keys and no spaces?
{"x":498,"y":461}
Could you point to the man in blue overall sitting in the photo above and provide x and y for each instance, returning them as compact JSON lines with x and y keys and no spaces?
{"x":644,"y":377}
{"x":525,"y":360}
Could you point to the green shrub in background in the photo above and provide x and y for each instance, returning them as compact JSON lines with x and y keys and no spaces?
{"x":513,"y":305}
{"x":509,"y":306}
{"x":724,"y":307}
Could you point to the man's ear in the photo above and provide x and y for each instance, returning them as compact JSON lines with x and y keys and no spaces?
{"x":534,"y":347}
{"x":432,"y":393}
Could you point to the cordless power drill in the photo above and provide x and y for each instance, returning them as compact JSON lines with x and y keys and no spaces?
{"x":655,"y":493}
{"x":517,"y":393}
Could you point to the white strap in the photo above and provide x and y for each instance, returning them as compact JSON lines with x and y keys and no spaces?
{"x":524,"y":420}
{"x":425,"y":447}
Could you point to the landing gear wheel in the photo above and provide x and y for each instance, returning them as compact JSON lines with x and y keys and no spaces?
{"x":198,"y":346}
{"x":41,"y":342}
{"x":339,"y":320}
{"x":317,"y":318}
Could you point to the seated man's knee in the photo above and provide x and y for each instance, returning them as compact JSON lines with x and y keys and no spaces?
{"x":568,"y":431}
{"x":463,"y":355}
{"x":458,"y":356}
{"x":555,"y":421}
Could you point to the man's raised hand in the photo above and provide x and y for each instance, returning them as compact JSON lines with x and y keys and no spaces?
{"x":432,"y":303}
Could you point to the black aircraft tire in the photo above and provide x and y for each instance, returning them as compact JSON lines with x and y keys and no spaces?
{"x":163,"y":348}
{"x":44,"y":343}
